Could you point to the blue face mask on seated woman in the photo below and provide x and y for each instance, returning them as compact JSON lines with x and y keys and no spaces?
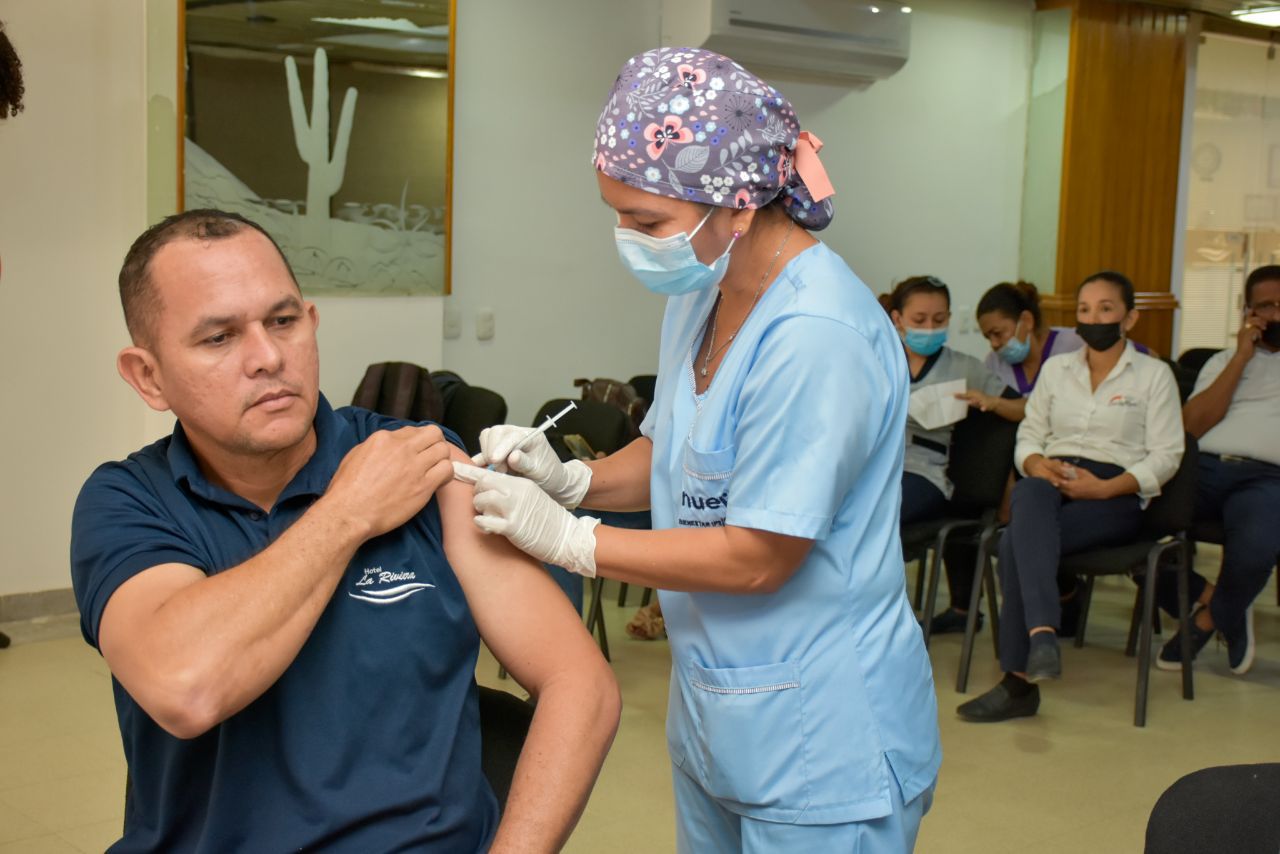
{"x":1015,"y":351}
{"x":668,"y":265}
{"x":925,"y":342}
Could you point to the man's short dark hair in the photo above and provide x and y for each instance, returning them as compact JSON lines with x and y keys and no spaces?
{"x":139,"y":299}
{"x":1268,"y":273}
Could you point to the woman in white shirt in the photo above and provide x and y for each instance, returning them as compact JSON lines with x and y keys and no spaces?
{"x":1103,"y":432}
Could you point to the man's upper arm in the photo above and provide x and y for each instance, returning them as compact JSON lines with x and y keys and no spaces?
{"x":119,"y":530}
{"x":524,"y":618}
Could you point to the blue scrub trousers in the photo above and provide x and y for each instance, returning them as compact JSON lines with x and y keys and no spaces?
{"x":703,"y":826}
{"x":1043,"y":526}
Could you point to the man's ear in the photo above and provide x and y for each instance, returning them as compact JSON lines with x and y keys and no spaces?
{"x":139,"y":368}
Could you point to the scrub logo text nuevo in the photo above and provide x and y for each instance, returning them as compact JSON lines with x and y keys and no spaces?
{"x":703,"y":503}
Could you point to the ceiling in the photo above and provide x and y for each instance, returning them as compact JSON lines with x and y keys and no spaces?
{"x":290,"y":27}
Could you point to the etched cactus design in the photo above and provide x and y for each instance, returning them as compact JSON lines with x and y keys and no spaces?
{"x":324,"y":173}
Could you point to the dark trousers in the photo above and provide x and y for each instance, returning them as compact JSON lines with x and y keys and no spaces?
{"x":921,"y":500}
{"x":1244,"y":497}
{"x":1043,"y":526}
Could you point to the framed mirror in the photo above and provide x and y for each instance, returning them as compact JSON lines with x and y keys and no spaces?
{"x":329,"y":122}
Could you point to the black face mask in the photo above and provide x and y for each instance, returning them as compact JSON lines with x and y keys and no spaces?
{"x":1099,"y":336}
{"x":1271,"y":335}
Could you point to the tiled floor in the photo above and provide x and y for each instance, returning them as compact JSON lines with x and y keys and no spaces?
{"x":1079,"y":777}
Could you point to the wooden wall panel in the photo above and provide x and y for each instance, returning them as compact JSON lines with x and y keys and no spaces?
{"x":1126,"y":78}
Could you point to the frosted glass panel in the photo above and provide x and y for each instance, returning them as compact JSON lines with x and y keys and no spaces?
{"x":1042,"y":187}
{"x":1233,"y":185}
{"x":327,"y":123}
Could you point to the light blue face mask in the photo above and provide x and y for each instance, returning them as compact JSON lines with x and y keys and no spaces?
{"x":925,"y":342}
{"x":668,"y":265}
{"x":1014,"y":351}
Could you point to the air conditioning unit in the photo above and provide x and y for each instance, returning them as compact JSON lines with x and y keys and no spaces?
{"x":851,"y":42}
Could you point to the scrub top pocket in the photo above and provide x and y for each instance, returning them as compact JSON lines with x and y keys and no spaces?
{"x":749,"y":733}
{"x":703,"y":501}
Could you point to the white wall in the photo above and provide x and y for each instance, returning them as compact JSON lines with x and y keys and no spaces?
{"x":532,"y":240}
{"x":927,"y":167}
{"x":73,"y":185}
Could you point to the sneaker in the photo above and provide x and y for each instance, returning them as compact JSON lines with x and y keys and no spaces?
{"x":1170,"y":657}
{"x":951,"y":622}
{"x":1001,"y":703}
{"x":1044,"y":660}
{"x":1240,"y":647}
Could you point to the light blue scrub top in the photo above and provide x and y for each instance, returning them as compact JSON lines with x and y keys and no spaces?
{"x":807,"y":704}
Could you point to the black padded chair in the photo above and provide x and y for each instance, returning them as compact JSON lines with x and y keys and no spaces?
{"x":1165,"y":524}
{"x":644,"y":384}
{"x":1229,"y":808}
{"x":504,"y":725}
{"x":400,"y":390}
{"x":1185,"y":378}
{"x":470,"y":409}
{"x":980,"y":461}
{"x":1193,"y":360}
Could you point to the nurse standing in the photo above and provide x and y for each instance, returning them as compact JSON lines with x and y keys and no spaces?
{"x":802,"y":712}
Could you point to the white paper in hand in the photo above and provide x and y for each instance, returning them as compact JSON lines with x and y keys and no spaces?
{"x":937,"y":406}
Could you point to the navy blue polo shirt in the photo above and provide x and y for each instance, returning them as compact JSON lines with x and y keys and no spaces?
{"x":368,"y":742}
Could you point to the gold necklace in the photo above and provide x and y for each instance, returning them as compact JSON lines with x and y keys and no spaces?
{"x":715,"y":315}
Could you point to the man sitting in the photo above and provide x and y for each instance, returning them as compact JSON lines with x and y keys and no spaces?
{"x":290,"y":597}
{"x":1235,"y":413}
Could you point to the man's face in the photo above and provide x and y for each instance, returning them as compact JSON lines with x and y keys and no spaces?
{"x":1264,"y":304}
{"x":234,"y":345}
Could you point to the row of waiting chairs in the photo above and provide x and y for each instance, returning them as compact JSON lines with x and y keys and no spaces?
{"x":980,"y":464}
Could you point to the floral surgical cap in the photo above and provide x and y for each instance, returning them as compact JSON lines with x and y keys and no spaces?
{"x":695,"y":125}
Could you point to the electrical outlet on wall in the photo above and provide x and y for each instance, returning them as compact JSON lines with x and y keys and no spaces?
{"x":452,"y":322}
{"x":484,"y":324}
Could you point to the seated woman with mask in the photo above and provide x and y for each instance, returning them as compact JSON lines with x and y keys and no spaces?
{"x":1103,"y":432}
{"x":920,"y":308}
{"x":1009,"y":318}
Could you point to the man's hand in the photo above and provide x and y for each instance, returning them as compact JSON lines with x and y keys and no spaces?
{"x":1247,"y":337}
{"x":386,"y":479}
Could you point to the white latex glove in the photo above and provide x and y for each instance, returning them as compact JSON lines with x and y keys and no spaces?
{"x":534,"y":523}
{"x":567,"y":482}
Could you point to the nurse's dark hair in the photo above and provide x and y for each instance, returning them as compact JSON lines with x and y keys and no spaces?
{"x":1119,"y":280}
{"x":1268,"y":273}
{"x":908,"y":288}
{"x":11,"y":88}
{"x":1011,"y":299}
{"x":138,"y":297}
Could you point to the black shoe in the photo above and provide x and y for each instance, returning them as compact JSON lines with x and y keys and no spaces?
{"x":951,"y":622}
{"x":1002,"y":703}
{"x":1240,"y":645}
{"x":1170,"y":657}
{"x":1044,"y":661}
